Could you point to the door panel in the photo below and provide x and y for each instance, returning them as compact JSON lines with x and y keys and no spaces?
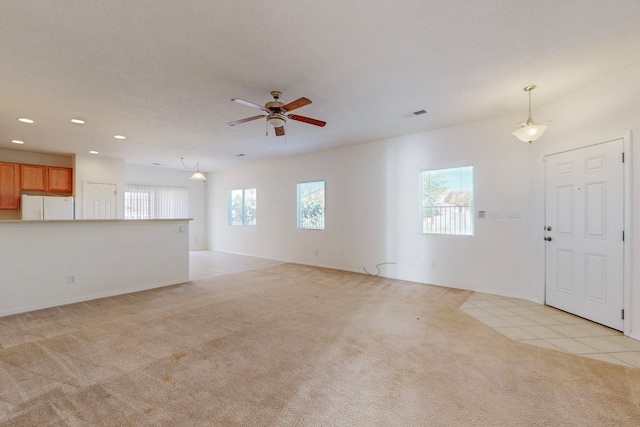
{"x":100,"y":201}
{"x":584,"y":209}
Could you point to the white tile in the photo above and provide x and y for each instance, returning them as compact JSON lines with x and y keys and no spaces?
{"x":630,"y":357}
{"x":542,"y":343}
{"x":522,"y":311}
{"x":572,"y":331}
{"x":544,"y":320}
{"x":495,"y":322}
{"x":475,"y":312}
{"x":516,"y":333}
{"x":519,"y":321}
{"x":601,"y":345}
{"x":572,"y":346}
{"x":484,"y":304}
{"x":498,"y":311}
{"x":627,"y":343}
{"x":607,"y":358}
{"x":540,"y":331}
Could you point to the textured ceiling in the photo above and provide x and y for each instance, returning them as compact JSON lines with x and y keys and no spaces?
{"x":163,"y":72}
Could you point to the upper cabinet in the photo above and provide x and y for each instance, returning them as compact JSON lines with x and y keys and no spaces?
{"x":46,"y":178}
{"x":60,"y":179}
{"x":33,"y":177}
{"x":9,"y":186}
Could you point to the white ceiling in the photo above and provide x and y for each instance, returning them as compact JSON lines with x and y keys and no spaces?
{"x":163,"y":72}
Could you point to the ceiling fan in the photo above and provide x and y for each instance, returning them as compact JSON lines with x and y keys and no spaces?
{"x":278,"y":113}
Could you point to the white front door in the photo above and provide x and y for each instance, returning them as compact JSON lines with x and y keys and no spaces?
{"x":99,"y":201}
{"x":584,"y":232}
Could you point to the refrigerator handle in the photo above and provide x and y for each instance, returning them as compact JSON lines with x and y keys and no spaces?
{"x":42,"y":213}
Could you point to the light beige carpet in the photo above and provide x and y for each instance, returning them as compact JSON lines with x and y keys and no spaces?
{"x":294,"y":346}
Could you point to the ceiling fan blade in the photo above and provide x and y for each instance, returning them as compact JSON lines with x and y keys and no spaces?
{"x":248,"y":119}
{"x":300,"y":102}
{"x":279,"y":131}
{"x":249,"y":104}
{"x":307,"y":120}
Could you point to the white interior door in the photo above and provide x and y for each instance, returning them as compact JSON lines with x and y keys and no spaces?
{"x":584,"y":232}
{"x":99,"y":201}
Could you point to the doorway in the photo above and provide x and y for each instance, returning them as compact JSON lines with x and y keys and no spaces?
{"x":584,"y":232}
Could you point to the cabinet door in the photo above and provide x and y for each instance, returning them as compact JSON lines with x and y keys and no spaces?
{"x":9,"y":186}
{"x":33,"y":177}
{"x":60,"y":179}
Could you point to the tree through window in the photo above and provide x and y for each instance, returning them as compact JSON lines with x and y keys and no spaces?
{"x":311,"y":205}
{"x":447,"y":201}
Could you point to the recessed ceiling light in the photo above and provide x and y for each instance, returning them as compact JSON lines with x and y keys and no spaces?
{"x":17,"y":141}
{"x":120,"y":137}
{"x":25,"y":120}
{"x":77,"y":121}
{"x":94,"y":152}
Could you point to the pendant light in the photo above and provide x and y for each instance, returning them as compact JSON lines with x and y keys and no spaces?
{"x":529,"y":131}
{"x":197,"y":174}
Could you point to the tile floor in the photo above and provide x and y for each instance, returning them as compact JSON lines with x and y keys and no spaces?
{"x":520,"y":320}
{"x":547,"y":327}
{"x":203,"y":264}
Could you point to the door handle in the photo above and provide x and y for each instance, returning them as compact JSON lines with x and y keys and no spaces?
{"x":548,"y":238}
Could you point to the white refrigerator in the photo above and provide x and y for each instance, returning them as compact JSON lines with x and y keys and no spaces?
{"x":47,"y":207}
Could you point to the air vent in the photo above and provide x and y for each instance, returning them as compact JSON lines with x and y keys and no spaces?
{"x":414,"y":113}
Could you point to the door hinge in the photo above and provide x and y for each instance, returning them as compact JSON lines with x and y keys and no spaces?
{"x":623,"y":314}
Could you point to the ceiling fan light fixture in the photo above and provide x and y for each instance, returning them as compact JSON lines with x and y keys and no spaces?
{"x":529,"y":131}
{"x":276,"y":120}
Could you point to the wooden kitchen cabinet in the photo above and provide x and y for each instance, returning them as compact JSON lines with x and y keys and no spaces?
{"x":9,"y":186}
{"x":33,"y":177}
{"x":60,"y":179}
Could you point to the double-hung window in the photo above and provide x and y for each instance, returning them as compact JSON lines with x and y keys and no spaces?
{"x":242,"y":206}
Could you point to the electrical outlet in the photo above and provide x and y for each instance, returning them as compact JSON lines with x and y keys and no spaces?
{"x":71,"y":279}
{"x":316,"y":252}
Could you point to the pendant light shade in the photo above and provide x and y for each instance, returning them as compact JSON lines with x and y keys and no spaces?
{"x":197,"y":174}
{"x":529,"y":131}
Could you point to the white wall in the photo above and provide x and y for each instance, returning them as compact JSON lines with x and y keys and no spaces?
{"x":372,"y":210}
{"x":28,"y":157}
{"x":106,"y":258}
{"x":372,"y":206}
{"x":101,"y":170}
{"x":135,"y":174}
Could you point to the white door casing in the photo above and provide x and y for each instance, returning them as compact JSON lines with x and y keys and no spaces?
{"x":585,"y":222}
{"x":99,"y":201}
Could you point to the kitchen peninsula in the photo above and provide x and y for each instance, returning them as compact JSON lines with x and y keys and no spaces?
{"x":51,"y":263}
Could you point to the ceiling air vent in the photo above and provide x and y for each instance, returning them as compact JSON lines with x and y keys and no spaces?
{"x":414,"y":113}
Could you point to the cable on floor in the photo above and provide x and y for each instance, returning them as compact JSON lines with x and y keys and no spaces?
{"x":377,"y":268}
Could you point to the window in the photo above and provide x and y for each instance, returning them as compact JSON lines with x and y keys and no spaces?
{"x":242,"y":207}
{"x":447,"y":201}
{"x":311,"y":205}
{"x":155,"y":202}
